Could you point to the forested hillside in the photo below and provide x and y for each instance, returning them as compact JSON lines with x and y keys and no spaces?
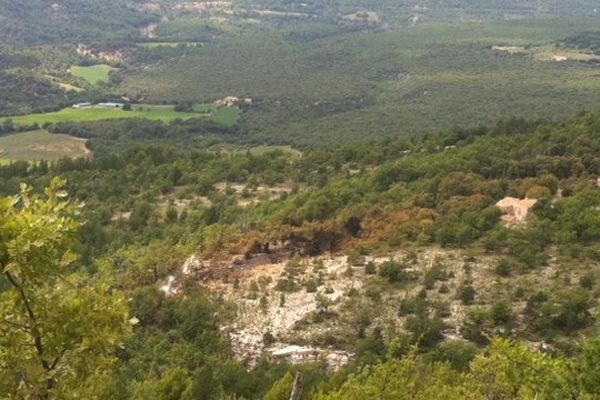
{"x":304,"y":200}
{"x":589,"y":40}
{"x":348,"y":69}
{"x":148,"y":209}
{"x":40,"y":21}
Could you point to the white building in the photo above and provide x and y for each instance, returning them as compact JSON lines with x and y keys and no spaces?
{"x":111,"y":105}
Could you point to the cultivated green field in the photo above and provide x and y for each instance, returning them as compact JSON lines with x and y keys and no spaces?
{"x":94,"y":74}
{"x":225,"y":116}
{"x":40,"y":145}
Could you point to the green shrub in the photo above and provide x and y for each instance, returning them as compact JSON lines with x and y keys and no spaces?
{"x":458,"y":354}
{"x":294,"y":267}
{"x":373,"y":293}
{"x":287,"y":285}
{"x":356,"y":259}
{"x":587,"y":281}
{"x":436,"y":273}
{"x":268,"y":338}
{"x":425,"y":331}
{"x":503,"y":268}
{"x":370,"y":268}
{"x":500,"y":314}
{"x":311,"y":286}
{"x":466,"y":294}
{"x":264,"y":303}
{"x":415,"y":305}
{"x":393,"y":271}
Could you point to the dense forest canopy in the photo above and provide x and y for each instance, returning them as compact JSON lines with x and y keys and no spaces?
{"x":40,"y":21}
{"x":448,"y":184}
{"x":589,"y":40}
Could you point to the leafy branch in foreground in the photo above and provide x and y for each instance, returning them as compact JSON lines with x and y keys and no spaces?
{"x":58,"y":329}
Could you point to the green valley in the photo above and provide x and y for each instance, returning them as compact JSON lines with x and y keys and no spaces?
{"x":299,"y":200}
{"x":226,"y":116}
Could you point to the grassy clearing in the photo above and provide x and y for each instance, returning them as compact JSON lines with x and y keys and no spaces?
{"x":547,"y":53}
{"x":40,"y":145}
{"x":204,"y":108}
{"x":226,"y":116}
{"x":94,"y":74}
{"x":152,"y":112}
{"x":258,"y":150}
{"x":550,"y":53}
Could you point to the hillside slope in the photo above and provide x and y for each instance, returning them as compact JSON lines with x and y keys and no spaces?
{"x":35,"y":22}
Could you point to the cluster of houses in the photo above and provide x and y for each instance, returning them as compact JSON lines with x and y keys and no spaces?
{"x":229,"y":101}
{"x":101,"y":105}
{"x":232,"y":101}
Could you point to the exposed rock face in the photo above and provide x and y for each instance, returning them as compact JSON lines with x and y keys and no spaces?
{"x":305,"y":354}
{"x":515,"y":210}
{"x":170,"y":287}
{"x":362,"y":17}
{"x":191,"y":265}
{"x":148,"y":31}
{"x":201,"y":7}
{"x":279,"y":313}
{"x":149,"y":7}
{"x":559,"y":58}
{"x":271,"y":319}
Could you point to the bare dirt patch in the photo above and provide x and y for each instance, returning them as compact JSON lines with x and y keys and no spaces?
{"x":362,"y":17}
{"x":273,"y":13}
{"x":201,"y":7}
{"x":256,"y":317}
{"x":289,"y":323}
{"x":248,"y":196}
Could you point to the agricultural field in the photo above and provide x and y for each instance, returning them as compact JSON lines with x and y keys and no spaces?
{"x":40,"y":145}
{"x":225,"y":116}
{"x":94,"y":74}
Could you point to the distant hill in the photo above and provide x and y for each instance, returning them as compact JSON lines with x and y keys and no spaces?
{"x":57,"y":21}
{"x":444,"y":9}
{"x":53,"y":21}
